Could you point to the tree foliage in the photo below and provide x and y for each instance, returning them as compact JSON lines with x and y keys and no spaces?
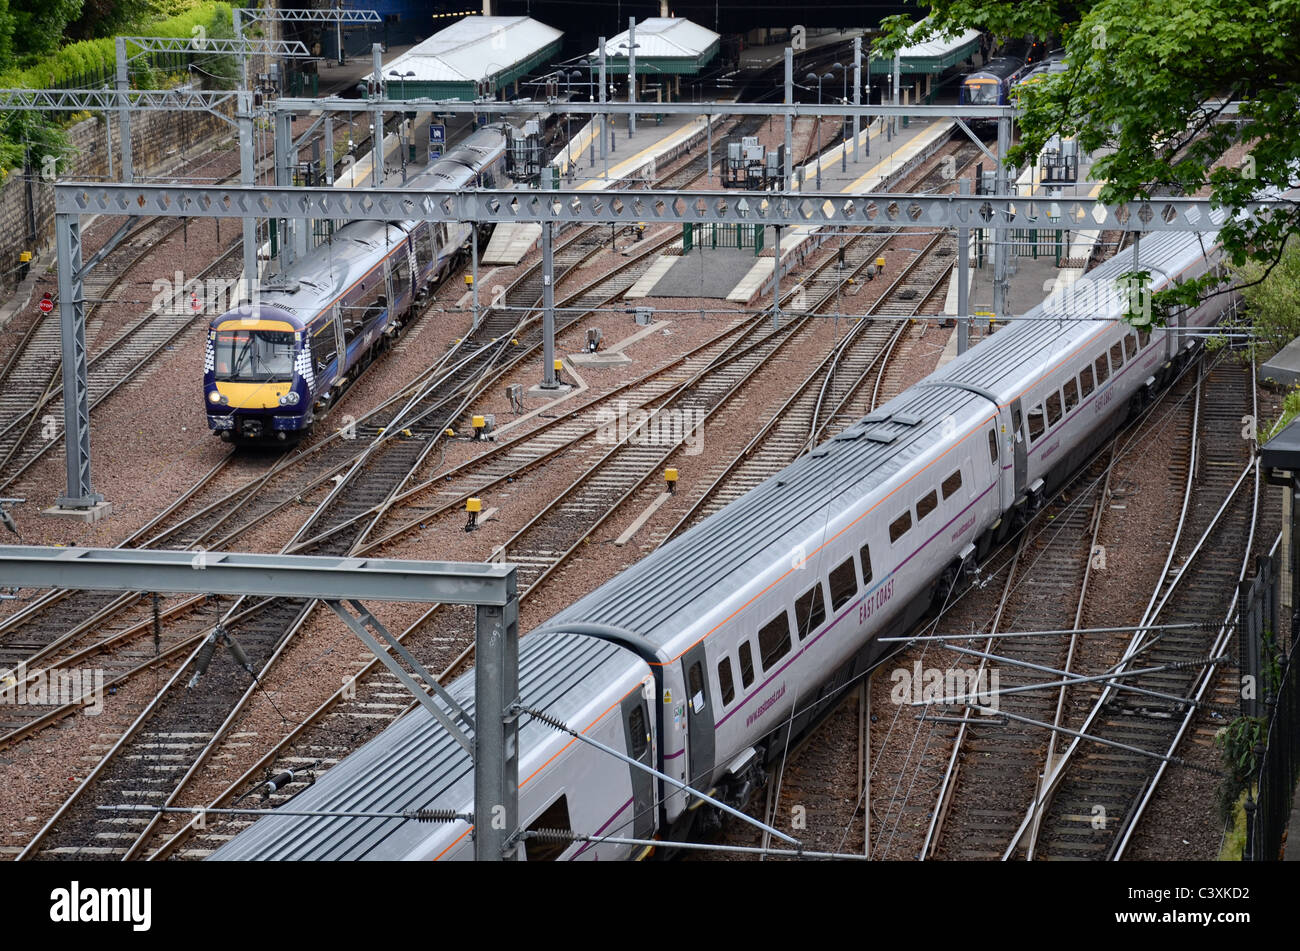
{"x":1143,"y":91}
{"x":38,"y":25}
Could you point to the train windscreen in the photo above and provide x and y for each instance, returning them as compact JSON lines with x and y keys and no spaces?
{"x":982,"y":92}
{"x":254,"y":356}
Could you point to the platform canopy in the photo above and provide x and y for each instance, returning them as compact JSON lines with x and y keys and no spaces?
{"x":935,"y":55}
{"x":453,"y":62}
{"x":663,"y":45}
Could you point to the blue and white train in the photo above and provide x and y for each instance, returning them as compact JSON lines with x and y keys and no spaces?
{"x":704,"y":657}
{"x":272,"y":366}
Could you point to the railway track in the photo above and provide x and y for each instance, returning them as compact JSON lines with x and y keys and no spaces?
{"x":59,"y":620}
{"x":365,"y":481}
{"x":831,"y":392}
{"x":29,"y":381}
{"x":1211,"y":556}
{"x":275,"y":624}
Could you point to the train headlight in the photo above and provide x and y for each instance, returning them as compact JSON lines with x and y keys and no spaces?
{"x":289,"y":399}
{"x":214,"y":397}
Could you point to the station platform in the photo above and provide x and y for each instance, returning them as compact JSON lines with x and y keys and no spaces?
{"x":771,"y":54}
{"x":1031,"y":279}
{"x":876,"y":161}
{"x":638,"y":157}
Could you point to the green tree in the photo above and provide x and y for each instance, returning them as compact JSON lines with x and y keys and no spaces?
{"x":107,"y":18}
{"x":39,"y":24}
{"x":1271,"y":302}
{"x":1144,"y":89}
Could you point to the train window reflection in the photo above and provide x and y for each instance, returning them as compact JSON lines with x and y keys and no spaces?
{"x":254,"y":356}
{"x":899,"y":526}
{"x":1036,"y":425}
{"x":844,"y":584}
{"x":746,"y":664}
{"x":725,"y":682}
{"x":1054,"y":409}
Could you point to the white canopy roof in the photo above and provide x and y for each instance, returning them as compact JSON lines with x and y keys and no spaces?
{"x":473,"y":49}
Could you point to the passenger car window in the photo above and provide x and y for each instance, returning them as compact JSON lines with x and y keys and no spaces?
{"x":636,"y":729}
{"x":952,"y":483}
{"x":865,"y":554}
{"x":1131,"y":345}
{"x":1085,"y":380}
{"x":926,"y":504}
{"x":993,"y":446}
{"x":774,"y":640}
{"x":1071,"y":395}
{"x":899,"y":526}
{"x":1103,"y":369}
{"x":556,"y":816}
{"x":1054,"y":409}
{"x":725,"y":682}
{"x":746,"y":664}
{"x":844,"y":584}
{"x":1036,"y":425}
{"x":1116,"y":356}
{"x":809,"y":611}
{"x":1144,"y":337}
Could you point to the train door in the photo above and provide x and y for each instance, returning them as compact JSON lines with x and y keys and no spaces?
{"x":1021,"y":457}
{"x":700,"y":723}
{"x":637,"y":729}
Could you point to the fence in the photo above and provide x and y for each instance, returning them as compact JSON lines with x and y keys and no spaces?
{"x":1275,"y":698}
{"x":1023,"y":243}
{"x":722,"y":236}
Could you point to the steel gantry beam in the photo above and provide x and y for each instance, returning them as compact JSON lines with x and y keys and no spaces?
{"x":232,"y":45}
{"x":95,"y":100}
{"x":616,"y":205}
{"x":490,"y":735}
{"x":546,"y":106}
{"x":334,"y":15}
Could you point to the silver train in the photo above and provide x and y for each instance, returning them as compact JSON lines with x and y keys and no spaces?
{"x":703,"y":657}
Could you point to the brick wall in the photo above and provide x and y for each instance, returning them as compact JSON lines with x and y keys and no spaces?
{"x":160,"y":143}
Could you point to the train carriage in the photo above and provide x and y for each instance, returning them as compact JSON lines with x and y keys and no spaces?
{"x":744,"y":629}
{"x":273,"y":365}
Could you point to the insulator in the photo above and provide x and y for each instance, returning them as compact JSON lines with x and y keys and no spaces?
{"x":276,"y":782}
{"x":240,"y":657}
{"x":435,"y":815}
{"x":204,"y":658}
{"x":553,"y":835}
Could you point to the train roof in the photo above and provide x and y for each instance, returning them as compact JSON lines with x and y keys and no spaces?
{"x":1000,"y":68}
{"x":311,"y":283}
{"x":667,"y":594}
{"x":416,"y":764}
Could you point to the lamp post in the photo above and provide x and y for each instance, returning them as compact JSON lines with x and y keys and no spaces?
{"x":631,"y":47}
{"x":844,"y":139}
{"x":814,"y":77}
{"x":591,"y":153}
{"x":403,"y":77}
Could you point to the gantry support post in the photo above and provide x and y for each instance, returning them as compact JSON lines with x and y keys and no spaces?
{"x":76,"y":394}
{"x":496,"y":734}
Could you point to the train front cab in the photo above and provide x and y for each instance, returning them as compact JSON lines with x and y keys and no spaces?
{"x":254,"y":387}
